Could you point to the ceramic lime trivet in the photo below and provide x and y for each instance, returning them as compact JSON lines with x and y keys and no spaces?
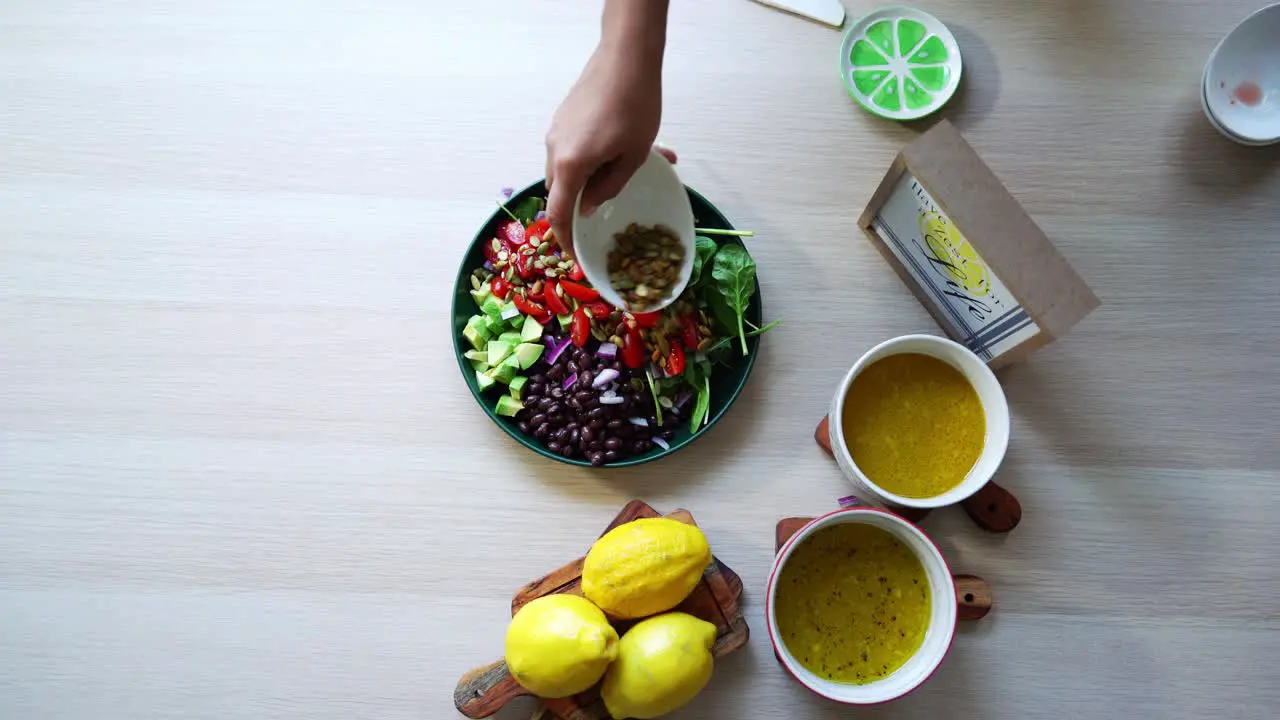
{"x":900,"y":63}
{"x":992,"y":508}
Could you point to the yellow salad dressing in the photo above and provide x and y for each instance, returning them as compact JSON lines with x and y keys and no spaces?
{"x":914,"y":425}
{"x":852,"y":603}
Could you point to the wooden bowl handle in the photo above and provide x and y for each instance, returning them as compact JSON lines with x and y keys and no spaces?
{"x":973,"y":597}
{"x":994,"y":509}
{"x":483,"y":691}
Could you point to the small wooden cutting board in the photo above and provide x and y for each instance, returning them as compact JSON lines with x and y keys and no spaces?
{"x":485,"y":690}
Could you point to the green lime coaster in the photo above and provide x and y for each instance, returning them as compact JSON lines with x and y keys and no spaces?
{"x":900,"y":63}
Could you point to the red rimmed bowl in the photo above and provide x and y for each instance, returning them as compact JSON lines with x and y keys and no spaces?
{"x":942,"y":618}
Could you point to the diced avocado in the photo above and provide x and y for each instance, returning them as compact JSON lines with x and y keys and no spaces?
{"x":518,"y":321}
{"x":492,"y":307}
{"x":517,"y":386}
{"x":564,"y":321}
{"x":495,"y":325}
{"x":480,"y":295}
{"x":510,"y":311}
{"x":484,"y":381}
{"x":505,"y":372}
{"x":527,"y":354}
{"x":480,"y":355}
{"x":479,"y":365}
{"x":531,"y":331}
{"x":498,"y":351}
{"x":510,"y":336}
{"x":508,"y":406}
{"x":476,"y":332}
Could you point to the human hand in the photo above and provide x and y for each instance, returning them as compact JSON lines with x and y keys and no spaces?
{"x":602,"y":132}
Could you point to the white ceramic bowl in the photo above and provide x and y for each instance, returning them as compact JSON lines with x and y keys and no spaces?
{"x":653,"y":196}
{"x":942,"y":618}
{"x":994,"y":407}
{"x":1241,"y":94}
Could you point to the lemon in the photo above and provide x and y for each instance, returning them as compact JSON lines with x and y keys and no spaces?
{"x":644,"y":567}
{"x":559,"y":645}
{"x":663,"y":662}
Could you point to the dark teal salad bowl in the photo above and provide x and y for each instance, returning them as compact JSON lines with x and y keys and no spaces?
{"x":726,"y":381}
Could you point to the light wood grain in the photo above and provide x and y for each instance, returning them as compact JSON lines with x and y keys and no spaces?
{"x":240,"y":477}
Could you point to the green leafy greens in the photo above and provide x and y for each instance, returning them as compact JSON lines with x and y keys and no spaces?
{"x":734,"y":273}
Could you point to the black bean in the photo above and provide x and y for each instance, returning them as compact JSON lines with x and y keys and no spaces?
{"x":584,"y":380}
{"x":583,"y":396}
{"x":568,"y":451}
{"x":595,"y":413}
{"x":539,"y":379}
{"x":626,"y":431}
{"x":573,"y":403}
{"x":612,"y":443}
{"x":615,"y":423}
{"x":557,"y":420}
{"x":597,"y":458}
{"x":561,"y":436}
{"x":645,"y":446}
{"x":583,"y":445}
{"x":611,"y":456}
{"x":581,"y":355}
{"x":556,"y":373}
{"x":557,"y":393}
{"x":535,"y":389}
{"x":555,"y":409}
{"x":588,"y":434}
{"x":537,"y":420}
{"x":597,"y":424}
{"x":617,"y":366}
{"x":593,"y":403}
{"x":571,"y":367}
{"x":554,"y":446}
{"x":597,"y":444}
{"x":653,"y":420}
{"x":574,"y":435}
{"x":541,"y":431}
{"x":524,"y":427}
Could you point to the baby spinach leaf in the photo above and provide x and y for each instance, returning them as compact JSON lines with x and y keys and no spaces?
{"x":526,"y":210}
{"x":734,"y":273}
{"x":704,"y":250}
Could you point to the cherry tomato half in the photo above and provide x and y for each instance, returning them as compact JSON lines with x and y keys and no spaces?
{"x":500,"y":287}
{"x":580,"y":328}
{"x":689,"y":332}
{"x":527,"y":306}
{"x":675,"y":361}
{"x":633,"y":354}
{"x":581,"y":293}
{"x":555,"y":303}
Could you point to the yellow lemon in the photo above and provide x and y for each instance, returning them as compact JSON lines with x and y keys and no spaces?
{"x":559,"y":645}
{"x":663,"y":662}
{"x":644,"y":567}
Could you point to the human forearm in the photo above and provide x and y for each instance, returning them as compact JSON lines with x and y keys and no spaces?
{"x":637,"y":29}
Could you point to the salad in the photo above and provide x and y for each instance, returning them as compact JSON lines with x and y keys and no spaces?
{"x":587,"y":379}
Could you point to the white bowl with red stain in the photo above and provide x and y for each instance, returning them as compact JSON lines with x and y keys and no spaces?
{"x":1241,"y":88}
{"x":942,"y":617}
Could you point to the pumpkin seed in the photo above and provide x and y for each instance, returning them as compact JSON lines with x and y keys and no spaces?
{"x":551,"y":273}
{"x":475,"y":283}
{"x":504,"y":255}
{"x":665,"y":402}
{"x":544,"y":248}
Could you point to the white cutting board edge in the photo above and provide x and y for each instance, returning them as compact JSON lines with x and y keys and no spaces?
{"x":827,"y":12}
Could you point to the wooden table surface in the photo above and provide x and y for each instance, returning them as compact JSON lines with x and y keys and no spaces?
{"x":240,"y":477}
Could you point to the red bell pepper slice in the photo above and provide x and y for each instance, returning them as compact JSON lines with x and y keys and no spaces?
{"x":527,"y":306}
{"x":689,"y":332}
{"x":580,"y":328}
{"x":647,"y":320}
{"x":500,"y":287}
{"x":599,"y":309}
{"x":675,"y":360}
{"x":633,"y":354}
{"x":581,"y":293}
{"x":555,"y":303}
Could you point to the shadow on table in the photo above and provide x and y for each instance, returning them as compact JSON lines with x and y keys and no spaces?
{"x":1215,"y":165}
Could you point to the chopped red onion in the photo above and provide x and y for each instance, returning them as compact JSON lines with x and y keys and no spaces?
{"x":569,"y":381}
{"x":607,"y":350}
{"x":612,"y":400}
{"x":558,"y":350}
{"x":638,"y":421}
{"x":542,"y":214}
{"x":683,"y":399}
{"x":660,"y":443}
{"x":489,"y":266}
{"x":605,"y":377}
{"x":507,"y":192}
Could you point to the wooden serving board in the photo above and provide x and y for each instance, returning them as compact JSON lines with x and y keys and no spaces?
{"x":992,"y":508}
{"x":973,"y":594}
{"x":485,"y":690}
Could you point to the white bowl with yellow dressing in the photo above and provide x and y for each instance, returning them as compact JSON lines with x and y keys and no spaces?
{"x":937,"y":441}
